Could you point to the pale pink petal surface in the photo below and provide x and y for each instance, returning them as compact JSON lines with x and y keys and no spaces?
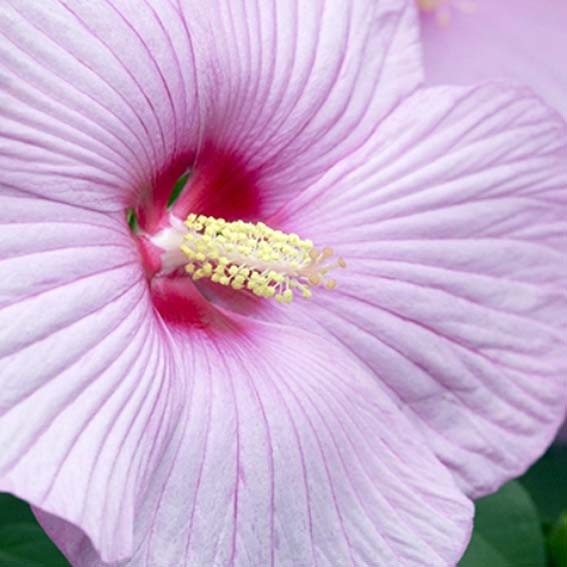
{"x":522,"y":40}
{"x":88,"y":393}
{"x":285,"y":457}
{"x":453,"y":224}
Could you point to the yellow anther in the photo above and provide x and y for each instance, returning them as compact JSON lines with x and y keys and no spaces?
{"x":187,"y":251}
{"x":267,"y":262}
{"x":314,"y":279}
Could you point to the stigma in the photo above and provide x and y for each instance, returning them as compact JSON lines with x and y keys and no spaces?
{"x":251,"y":256}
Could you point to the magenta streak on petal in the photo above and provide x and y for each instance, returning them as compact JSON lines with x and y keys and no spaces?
{"x":271,"y":466}
{"x":200,"y":474}
{"x":134,"y":79}
{"x":262,"y":369}
{"x":70,"y":86}
{"x":159,"y":73}
{"x":136,"y":357}
{"x":328,"y":476}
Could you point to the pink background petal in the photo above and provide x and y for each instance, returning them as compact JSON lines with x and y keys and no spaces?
{"x":524,"y":40}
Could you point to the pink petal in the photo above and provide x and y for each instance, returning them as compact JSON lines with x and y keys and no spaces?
{"x":104,"y":102}
{"x":524,"y":40}
{"x":521,"y":40}
{"x":86,"y":392}
{"x":453,"y":225}
{"x":294,"y":79}
{"x":286,"y":456}
{"x":93,"y":101}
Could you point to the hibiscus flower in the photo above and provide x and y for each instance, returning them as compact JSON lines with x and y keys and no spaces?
{"x":156,"y":417}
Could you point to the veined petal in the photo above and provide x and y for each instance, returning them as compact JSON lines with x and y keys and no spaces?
{"x":517,"y":39}
{"x":86,"y":388}
{"x":101,"y":103}
{"x":454,"y":228}
{"x":285,"y":456}
{"x":96,"y":98}
{"x":291,"y":80}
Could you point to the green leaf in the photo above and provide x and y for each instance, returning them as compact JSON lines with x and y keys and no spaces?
{"x":546,"y":482}
{"x":22,"y":541}
{"x":557,"y":542}
{"x":507,"y":531}
{"x":14,"y":510}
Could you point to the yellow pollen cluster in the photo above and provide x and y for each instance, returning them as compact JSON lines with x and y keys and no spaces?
{"x":255,"y":257}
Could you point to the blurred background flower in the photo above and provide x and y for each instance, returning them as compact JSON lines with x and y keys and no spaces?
{"x":467,"y":41}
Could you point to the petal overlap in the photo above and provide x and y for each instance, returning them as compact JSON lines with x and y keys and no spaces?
{"x":453,"y":227}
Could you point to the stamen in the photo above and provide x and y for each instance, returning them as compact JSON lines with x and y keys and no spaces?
{"x":253,"y":256}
